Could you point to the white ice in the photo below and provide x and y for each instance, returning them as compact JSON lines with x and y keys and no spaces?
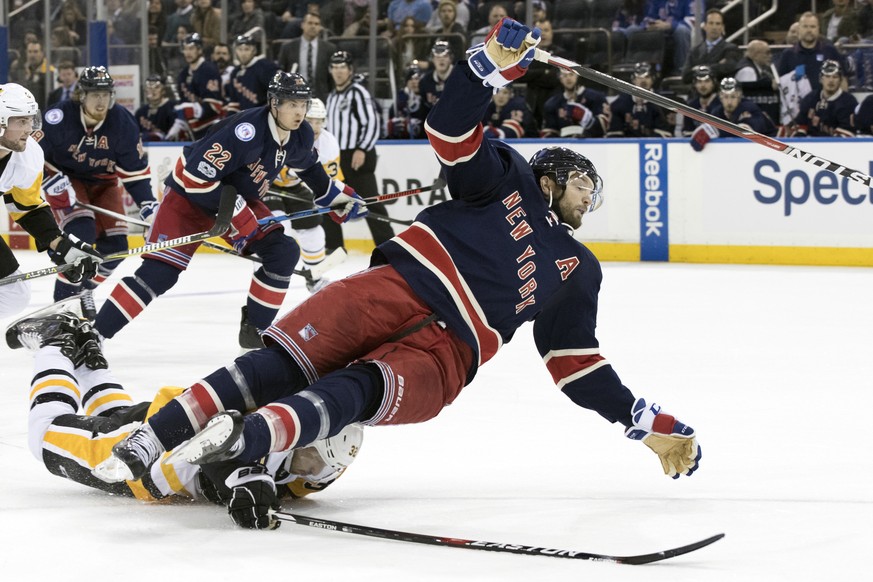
{"x":771,"y":365}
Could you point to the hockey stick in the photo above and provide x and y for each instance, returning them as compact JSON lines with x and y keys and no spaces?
{"x":146,"y":225}
{"x":703,"y":117}
{"x":222,"y":224}
{"x":440,"y":183}
{"x":376,"y":215}
{"x":401,"y":536}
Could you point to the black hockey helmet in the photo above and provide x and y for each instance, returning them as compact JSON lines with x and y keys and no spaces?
{"x":95,"y":79}
{"x":412,"y":71}
{"x":558,"y":163}
{"x":643,"y":70}
{"x":245,"y":39}
{"x":285,"y":86}
{"x":701,"y":72}
{"x":193,"y":38}
{"x":342,"y":58}
{"x":831,"y":67}
{"x":441,"y":48}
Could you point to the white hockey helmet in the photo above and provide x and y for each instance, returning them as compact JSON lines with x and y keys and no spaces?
{"x":317,"y":109}
{"x":341,"y":449}
{"x":17,"y":101}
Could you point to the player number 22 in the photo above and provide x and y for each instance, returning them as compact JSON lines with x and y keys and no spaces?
{"x":217,"y":156}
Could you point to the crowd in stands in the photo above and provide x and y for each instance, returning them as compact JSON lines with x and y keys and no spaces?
{"x":651,"y":43}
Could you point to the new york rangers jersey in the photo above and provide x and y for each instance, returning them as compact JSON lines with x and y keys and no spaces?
{"x":712,"y":107}
{"x":495,"y":256}
{"x":155,"y":122}
{"x":633,"y":117}
{"x":513,"y":120}
{"x":248,"y":85}
{"x":244,"y":151}
{"x":748,"y":114}
{"x":821,"y":116}
{"x":557,"y":120}
{"x":110,"y":150}
{"x":201,"y":83}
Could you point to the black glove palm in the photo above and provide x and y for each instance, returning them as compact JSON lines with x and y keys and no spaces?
{"x":253,"y":494}
{"x":71,"y":250}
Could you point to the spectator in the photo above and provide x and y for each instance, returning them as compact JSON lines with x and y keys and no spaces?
{"x":757,"y":79}
{"x":508,"y":116}
{"x":706,"y":98}
{"x":722,"y":56}
{"x":629,"y":18}
{"x":409,"y":47}
{"x":448,"y":26}
{"x":157,"y":60}
{"x":309,"y":55}
{"x":669,"y":17}
{"x":71,"y":16}
{"x":839,"y":23}
{"x":462,"y":17}
{"x":181,"y":17}
{"x":636,"y":117}
{"x":804,"y":59}
{"x":206,"y":22}
{"x":576,"y":110}
{"x":399,"y":10}
{"x":495,"y":15}
{"x":830,"y":112}
{"x":67,"y":78}
{"x":157,"y":17}
{"x":250,"y":17}
{"x":542,"y":79}
{"x":33,"y":72}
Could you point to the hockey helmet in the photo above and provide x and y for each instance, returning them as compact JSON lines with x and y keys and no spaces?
{"x":831,"y":67}
{"x":412,"y":71}
{"x":340,"y":450}
{"x":441,"y":48}
{"x":317,"y":110}
{"x":245,"y":39}
{"x":17,"y":101}
{"x":729,"y":85}
{"x":643,"y":70}
{"x":558,"y":163}
{"x":193,"y":38}
{"x":95,"y":79}
{"x":342,"y":58}
{"x":285,"y":86}
{"x":701,"y":72}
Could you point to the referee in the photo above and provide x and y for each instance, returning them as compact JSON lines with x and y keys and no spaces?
{"x":352,"y":118}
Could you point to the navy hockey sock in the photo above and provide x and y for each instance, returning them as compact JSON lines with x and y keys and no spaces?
{"x":270,"y":282}
{"x":254,"y":379}
{"x":340,"y":398}
{"x":131,"y":296}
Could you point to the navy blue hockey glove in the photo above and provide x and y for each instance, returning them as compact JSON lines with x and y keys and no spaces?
{"x":148,"y":210}
{"x":344,"y":201}
{"x":505,"y":55}
{"x":675,"y":443}
{"x":71,"y":250}
{"x":253,"y":495}
{"x":702,"y":135}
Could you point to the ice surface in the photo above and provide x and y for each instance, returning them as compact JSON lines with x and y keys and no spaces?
{"x":771,"y":365}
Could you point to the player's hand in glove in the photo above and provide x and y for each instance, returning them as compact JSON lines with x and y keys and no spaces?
{"x":68,"y":249}
{"x":505,"y":55}
{"x":243,"y":226}
{"x":674,"y":442}
{"x":344,"y":201}
{"x":702,"y":135}
{"x":186,"y":111}
{"x":253,"y":495}
{"x":59,"y":192}
{"x":178,"y":131}
{"x":579,"y":114}
{"x":148,"y":210}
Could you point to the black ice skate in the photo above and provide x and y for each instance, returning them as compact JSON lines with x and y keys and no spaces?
{"x":249,"y":336}
{"x":131,"y":457}
{"x":88,"y":349}
{"x":36,"y":331}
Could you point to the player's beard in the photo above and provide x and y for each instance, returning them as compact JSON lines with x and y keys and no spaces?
{"x":17,"y":145}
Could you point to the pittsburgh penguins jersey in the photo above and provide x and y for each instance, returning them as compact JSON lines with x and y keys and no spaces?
{"x":244,"y":151}
{"x":200,"y":83}
{"x":108,"y":151}
{"x":248,"y":85}
{"x":821,"y":116}
{"x":750,"y":115}
{"x":633,"y":117}
{"x":155,"y":122}
{"x":495,"y":256}
{"x":328,"y":156}
{"x":513,"y":120}
{"x":557,"y":120}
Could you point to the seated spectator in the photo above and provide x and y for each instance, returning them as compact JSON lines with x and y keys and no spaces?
{"x":495,"y":15}
{"x":755,"y":74}
{"x":181,"y":17}
{"x":629,"y":18}
{"x":67,"y":78}
{"x":840,"y":23}
{"x":576,"y":110}
{"x":508,"y":116}
{"x":447,"y":24}
{"x":669,"y":17}
{"x":399,"y":10}
{"x":157,"y":114}
{"x":636,"y":117}
{"x":157,"y":17}
{"x":409,"y":45}
{"x":462,"y":17}
{"x":206,"y":21}
{"x":250,"y":17}
{"x":433,"y":81}
{"x":33,"y":72}
{"x":71,"y":17}
{"x":721,"y":56}
{"x":829,"y":112}
{"x":407,"y":114}
{"x":706,"y":98}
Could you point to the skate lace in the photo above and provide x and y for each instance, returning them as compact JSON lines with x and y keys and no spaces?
{"x":89,"y":308}
{"x":146,"y":446}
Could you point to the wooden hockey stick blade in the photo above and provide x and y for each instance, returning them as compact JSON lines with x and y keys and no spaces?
{"x":703,"y":117}
{"x":222,"y":224}
{"x":439,"y":183}
{"x":376,"y":215}
{"x":326,"y":524}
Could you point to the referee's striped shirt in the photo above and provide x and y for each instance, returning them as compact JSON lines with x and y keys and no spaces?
{"x":352,"y":118}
